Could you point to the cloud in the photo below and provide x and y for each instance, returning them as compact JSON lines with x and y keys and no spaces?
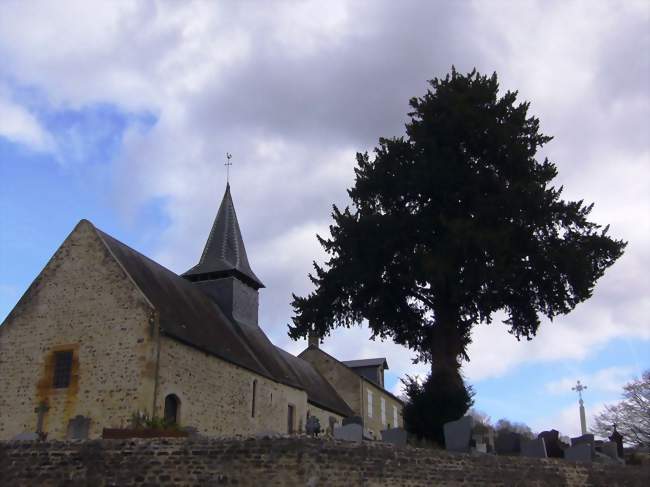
{"x":610,"y":380}
{"x":19,"y":125}
{"x":294,"y":90}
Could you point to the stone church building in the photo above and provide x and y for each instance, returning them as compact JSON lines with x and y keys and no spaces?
{"x":104,"y":333}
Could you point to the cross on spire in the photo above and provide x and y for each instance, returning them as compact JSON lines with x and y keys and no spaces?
{"x":579,"y":388}
{"x":228,"y":164}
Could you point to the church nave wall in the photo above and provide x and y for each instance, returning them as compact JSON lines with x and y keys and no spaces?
{"x":216,"y":396}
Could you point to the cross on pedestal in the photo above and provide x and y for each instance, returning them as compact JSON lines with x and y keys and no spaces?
{"x":583,"y":420}
{"x":41,"y":409}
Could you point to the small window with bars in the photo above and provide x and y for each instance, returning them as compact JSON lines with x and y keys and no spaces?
{"x":62,"y":369}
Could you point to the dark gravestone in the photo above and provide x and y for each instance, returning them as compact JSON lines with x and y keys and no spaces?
{"x":554,"y":446}
{"x":352,"y":420}
{"x":78,"y":428}
{"x":533,"y":448}
{"x":349,"y":432}
{"x":581,"y":452}
{"x":395,"y":436}
{"x":458,"y":434}
{"x":618,"y":439}
{"x":312,"y":426}
{"x":508,"y":443}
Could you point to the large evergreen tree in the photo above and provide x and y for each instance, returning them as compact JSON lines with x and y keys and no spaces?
{"x":452,"y":223}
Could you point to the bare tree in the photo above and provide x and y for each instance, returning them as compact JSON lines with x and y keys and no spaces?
{"x":631,"y":416}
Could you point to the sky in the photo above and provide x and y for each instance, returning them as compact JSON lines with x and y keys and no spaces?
{"x":122,"y":112}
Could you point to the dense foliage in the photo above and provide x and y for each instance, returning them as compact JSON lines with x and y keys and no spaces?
{"x":452,"y":223}
{"x":631,"y":415}
{"x":431,"y":404}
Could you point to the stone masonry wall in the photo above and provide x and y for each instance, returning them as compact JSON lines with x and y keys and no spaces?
{"x":216,"y":396}
{"x":354,"y":391}
{"x":286,"y":462}
{"x":324,"y":417}
{"x":375,"y":423}
{"x":83,"y":302}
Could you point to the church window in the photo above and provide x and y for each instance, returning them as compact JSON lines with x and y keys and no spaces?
{"x":395,"y":417}
{"x":383,"y":411}
{"x":370,"y":404}
{"x":172,"y":407}
{"x":291,"y":413}
{"x":253,"y":401}
{"x":62,"y":369}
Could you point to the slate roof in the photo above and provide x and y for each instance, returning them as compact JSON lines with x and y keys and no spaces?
{"x":191,"y":317}
{"x":366,"y":362}
{"x":224,"y":252}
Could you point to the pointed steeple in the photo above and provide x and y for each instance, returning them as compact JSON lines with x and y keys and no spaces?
{"x":224,"y":253}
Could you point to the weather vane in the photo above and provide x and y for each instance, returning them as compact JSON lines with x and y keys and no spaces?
{"x":228,"y":164}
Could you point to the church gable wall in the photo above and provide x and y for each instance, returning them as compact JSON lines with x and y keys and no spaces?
{"x":216,"y":396}
{"x":374,"y":423}
{"x":81,"y":302}
{"x":346,"y":383}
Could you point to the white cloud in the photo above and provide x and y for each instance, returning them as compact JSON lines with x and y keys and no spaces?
{"x":609,"y":380}
{"x":18,"y":125}
{"x":294,"y":90}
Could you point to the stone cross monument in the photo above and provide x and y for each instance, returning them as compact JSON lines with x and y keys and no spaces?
{"x":583,"y":422}
{"x":41,"y":409}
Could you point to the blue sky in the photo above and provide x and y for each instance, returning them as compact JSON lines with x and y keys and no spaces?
{"x":121,"y":113}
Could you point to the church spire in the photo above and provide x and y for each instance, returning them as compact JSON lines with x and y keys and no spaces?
{"x":224,"y":253}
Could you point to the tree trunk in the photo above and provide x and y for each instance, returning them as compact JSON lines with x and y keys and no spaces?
{"x":446,"y":349}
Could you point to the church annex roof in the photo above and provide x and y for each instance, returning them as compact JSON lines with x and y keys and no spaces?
{"x":191,"y":317}
{"x":224,"y":252}
{"x":366,"y":362}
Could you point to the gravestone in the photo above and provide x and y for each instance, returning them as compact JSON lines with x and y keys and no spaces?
{"x":333,"y":423}
{"x":579,"y":453}
{"x":508,"y":443}
{"x":481,"y":447}
{"x":352,"y":420}
{"x":395,"y":436}
{"x":618,"y":439}
{"x":458,"y":434}
{"x":26,"y":436}
{"x":312,"y":426}
{"x":587,"y":439}
{"x":78,"y":428}
{"x":610,"y":448}
{"x":533,"y":448}
{"x":554,"y":446}
{"x":349,"y":432}
{"x":192,"y":432}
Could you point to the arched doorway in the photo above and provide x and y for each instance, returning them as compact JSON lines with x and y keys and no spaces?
{"x":172,"y":409}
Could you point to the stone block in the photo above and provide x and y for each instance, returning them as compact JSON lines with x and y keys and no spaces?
{"x":610,"y":449}
{"x":508,"y":443}
{"x":78,"y":428}
{"x":26,"y":436}
{"x":349,"y":432}
{"x":533,"y":448}
{"x":581,"y":452}
{"x":396,"y":436}
{"x":458,"y":434}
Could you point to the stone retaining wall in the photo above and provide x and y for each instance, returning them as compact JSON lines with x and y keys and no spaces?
{"x":284,"y":462}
